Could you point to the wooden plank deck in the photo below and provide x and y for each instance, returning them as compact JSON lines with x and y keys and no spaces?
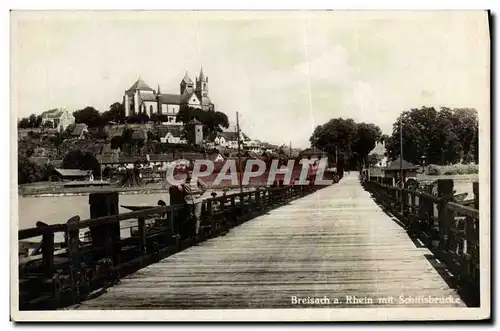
{"x":336,"y":243}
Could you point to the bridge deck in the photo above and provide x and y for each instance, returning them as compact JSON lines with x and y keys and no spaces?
{"x":336,"y":243}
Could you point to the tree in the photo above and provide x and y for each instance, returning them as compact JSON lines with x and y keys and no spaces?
{"x":475,"y":145}
{"x":138,"y":119}
{"x":346,"y":141}
{"x":24,"y":123}
{"x":367,"y":136}
{"x":90,"y":116}
{"x":439,"y":136}
{"x":27,"y":171}
{"x":34,"y":121}
{"x":213,"y":121}
{"x":116,"y":113}
{"x":465,"y":123}
{"x":77,"y":159}
{"x":116,"y":142}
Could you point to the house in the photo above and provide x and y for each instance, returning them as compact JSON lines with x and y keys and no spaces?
{"x":227,"y":139}
{"x":286,"y":152}
{"x":393,"y":169}
{"x":312,"y":153}
{"x":74,"y":174}
{"x":215,"y":157}
{"x":169,"y":134}
{"x":161,"y":160}
{"x":379,"y":152}
{"x":269,"y":155}
{"x":57,"y":118}
{"x":270,"y":148}
{"x":117,"y":160}
{"x":79,"y":131}
{"x":255,"y":146}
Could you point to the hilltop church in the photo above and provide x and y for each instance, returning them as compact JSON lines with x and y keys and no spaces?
{"x":142,"y":99}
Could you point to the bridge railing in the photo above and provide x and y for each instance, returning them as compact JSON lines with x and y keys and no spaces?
{"x":448,"y":228}
{"x":60,"y":274}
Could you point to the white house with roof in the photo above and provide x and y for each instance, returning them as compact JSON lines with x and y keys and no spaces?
{"x":379,"y":150}
{"x":227,"y":139}
{"x":255,"y":146}
{"x":57,"y":118}
{"x":140,"y":98}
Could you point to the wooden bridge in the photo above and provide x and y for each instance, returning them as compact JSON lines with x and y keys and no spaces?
{"x":335,"y":243}
{"x":332,"y":247}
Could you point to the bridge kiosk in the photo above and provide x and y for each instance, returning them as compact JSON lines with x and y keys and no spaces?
{"x":106,"y":234}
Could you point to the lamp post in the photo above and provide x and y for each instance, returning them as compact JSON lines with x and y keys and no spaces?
{"x":239,"y":153}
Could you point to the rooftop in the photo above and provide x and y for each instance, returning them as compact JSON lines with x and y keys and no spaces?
{"x":396,"y":165}
{"x":140,"y":85}
{"x":74,"y":172}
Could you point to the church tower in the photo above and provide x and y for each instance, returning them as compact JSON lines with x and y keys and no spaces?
{"x":202,"y":85}
{"x":202,"y":91}
{"x":187,"y":85}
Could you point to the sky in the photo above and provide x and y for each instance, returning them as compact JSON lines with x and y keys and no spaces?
{"x":283,"y":72}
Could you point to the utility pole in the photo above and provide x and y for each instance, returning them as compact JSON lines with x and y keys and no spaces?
{"x":239,"y":153}
{"x":401,"y":158}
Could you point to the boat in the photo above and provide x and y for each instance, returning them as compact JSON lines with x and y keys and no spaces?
{"x":459,"y":197}
{"x":136,"y":208}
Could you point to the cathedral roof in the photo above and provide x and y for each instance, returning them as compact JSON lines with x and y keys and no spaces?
{"x":140,"y":85}
{"x":147,"y":96}
{"x":202,"y":76}
{"x":171,"y":99}
{"x":186,"y":79}
{"x":184,"y":98}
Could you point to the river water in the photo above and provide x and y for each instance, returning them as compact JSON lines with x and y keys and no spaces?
{"x":54,"y":210}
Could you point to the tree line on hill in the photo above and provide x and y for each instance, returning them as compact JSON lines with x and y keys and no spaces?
{"x":213,"y":120}
{"x":28,"y":171}
{"x":430,"y":136}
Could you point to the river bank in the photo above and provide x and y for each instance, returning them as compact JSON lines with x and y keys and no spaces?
{"x":84,"y":191}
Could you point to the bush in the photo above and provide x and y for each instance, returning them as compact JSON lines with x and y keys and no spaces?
{"x":433,"y":170}
{"x":472,"y":169}
{"x":455,"y":169}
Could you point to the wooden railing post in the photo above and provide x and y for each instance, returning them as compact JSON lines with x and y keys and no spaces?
{"x":142,"y":236}
{"x":475,"y":190}
{"x":73,"y":248}
{"x":106,"y":235}
{"x":48,"y":253}
{"x":208,"y":215}
{"x":171,"y":231}
{"x":257,"y":200}
{"x":222,"y":217}
{"x":445,"y":192}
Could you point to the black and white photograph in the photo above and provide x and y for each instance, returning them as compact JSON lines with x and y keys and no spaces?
{"x":203,"y":165}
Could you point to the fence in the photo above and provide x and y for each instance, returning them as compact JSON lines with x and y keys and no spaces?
{"x":55,"y":277}
{"x":450,"y":229}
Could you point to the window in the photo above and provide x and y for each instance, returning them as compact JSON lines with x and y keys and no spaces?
{"x":151,"y":109}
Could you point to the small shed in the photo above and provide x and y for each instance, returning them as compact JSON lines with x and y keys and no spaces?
{"x":74,"y":174}
{"x":393,"y":169}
